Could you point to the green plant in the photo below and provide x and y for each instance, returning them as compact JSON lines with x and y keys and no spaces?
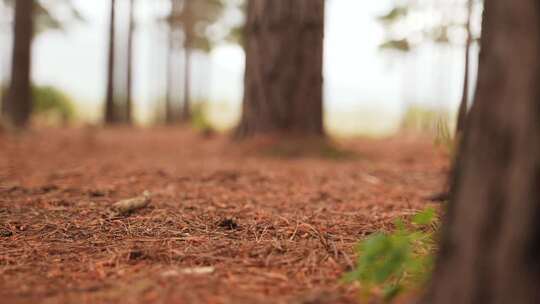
{"x":421,"y":119}
{"x":389,"y":263}
{"x":51,"y":102}
{"x":199,"y":119}
{"x":444,"y":137}
{"x":296,"y":147}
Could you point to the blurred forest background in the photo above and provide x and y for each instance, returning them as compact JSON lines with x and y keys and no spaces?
{"x":388,"y":65}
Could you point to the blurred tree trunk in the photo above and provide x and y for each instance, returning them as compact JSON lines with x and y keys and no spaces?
{"x":186,"y":109}
{"x":188,"y":24}
{"x":172,"y":111}
{"x":490,"y":247}
{"x":3,"y":58}
{"x":111,"y":111}
{"x":464,"y":104}
{"x":129,"y":93}
{"x":283,"y":82}
{"x":17,"y":107}
{"x":169,"y":116}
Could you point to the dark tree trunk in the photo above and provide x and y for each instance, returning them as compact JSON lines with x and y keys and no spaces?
{"x":490,"y":247}
{"x":17,"y":107}
{"x":464,"y":105}
{"x":284,"y":54}
{"x":111,"y":111}
{"x":129,"y":93}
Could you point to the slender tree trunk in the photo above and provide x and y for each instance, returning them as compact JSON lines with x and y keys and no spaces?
{"x":187,"y":24}
{"x":464,"y":104}
{"x":17,"y":107}
{"x":3,"y":58}
{"x":169,"y":116}
{"x":168,"y":96}
{"x":284,"y":54}
{"x":490,"y":247}
{"x":129,"y":95}
{"x":186,"y":109}
{"x":171,"y":112}
{"x":111,"y":115}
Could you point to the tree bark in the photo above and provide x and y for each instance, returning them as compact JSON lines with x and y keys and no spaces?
{"x":284,"y":54}
{"x":490,"y":246}
{"x":111,"y":111}
{"x":464,"y":104}
{"x":129,"y":93}
{"x":17,"y":107}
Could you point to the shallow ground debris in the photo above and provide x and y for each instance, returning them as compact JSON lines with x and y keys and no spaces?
{"x":228,"y":223}
{"x":298,"y":220}
{"x":127,"y":206}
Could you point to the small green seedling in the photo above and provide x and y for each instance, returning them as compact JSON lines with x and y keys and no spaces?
{"x":390,"y":263}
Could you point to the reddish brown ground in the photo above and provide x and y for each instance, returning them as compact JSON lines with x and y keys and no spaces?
{"x":291,"y":230}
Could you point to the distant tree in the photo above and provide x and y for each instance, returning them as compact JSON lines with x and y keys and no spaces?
{"x":490,"y":239}
{"x":464,"y":104}
{"x":31,"y":18}
{"x":5,"y":26}
{"x":190,"y":23}
{"x":17,"y":106}
{"x":445,"y":23}
{"x":111,"y":110}
{"x":46,"y":16}
{"x":129,"y":89}
{"x":187,"y":21}
{"x":173,"y":48}
{"x":283,"y":80}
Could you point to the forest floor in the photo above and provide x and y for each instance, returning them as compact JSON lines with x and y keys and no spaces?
{"x":227,"y":222}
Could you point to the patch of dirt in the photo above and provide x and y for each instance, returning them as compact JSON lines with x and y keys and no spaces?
{"x":272,"y":230}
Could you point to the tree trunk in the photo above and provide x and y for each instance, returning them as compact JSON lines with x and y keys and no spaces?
{"x":111,"y":115}
{"x":186,"y":109}
{"x":284,"y":54}
{"x":464,"y":104}
{"x":169,"y":116}
{"x":3,"y":60}
{"x":491,"y":237}
{"x":172,"y":110}
{"x":129,"y":93}
{"x":17,"y":107}
{"x":187,"y":24}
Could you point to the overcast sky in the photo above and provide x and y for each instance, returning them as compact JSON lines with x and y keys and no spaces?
{"x":357,"y":74}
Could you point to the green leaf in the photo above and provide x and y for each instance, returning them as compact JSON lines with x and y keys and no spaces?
{"x":425,"y":217}
{"x":397,"y":260}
